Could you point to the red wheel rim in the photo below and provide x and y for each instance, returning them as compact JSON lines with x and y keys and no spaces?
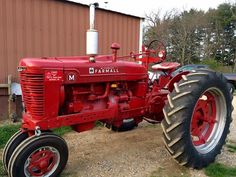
{"x":208,"y":120}
{"x":203,"y":119}
{"x":42,"y":162}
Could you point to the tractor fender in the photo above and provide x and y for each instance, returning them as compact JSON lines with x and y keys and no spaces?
{"x":175,"y":79}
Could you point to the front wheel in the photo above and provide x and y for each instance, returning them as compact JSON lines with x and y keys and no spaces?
{"x":11,"y":145}
{"x":197,"y":118}
{"x":44,"y":155}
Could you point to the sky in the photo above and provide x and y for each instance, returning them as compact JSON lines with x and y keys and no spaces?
{"x":142,"y":7}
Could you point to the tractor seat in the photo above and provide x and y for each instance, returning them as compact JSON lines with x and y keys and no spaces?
{"x":165,"y":66}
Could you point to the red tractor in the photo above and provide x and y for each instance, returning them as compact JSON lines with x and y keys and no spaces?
{"x":194,"y":108}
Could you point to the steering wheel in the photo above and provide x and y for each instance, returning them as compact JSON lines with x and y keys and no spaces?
{"x":157,"y":49}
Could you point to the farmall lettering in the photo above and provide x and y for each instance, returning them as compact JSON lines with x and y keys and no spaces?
{"x":103,"y":70}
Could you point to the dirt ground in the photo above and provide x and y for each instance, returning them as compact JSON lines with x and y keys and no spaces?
{"x":137,"y":153}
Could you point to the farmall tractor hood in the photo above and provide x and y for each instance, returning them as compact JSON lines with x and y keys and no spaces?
{"x":79,"y":69}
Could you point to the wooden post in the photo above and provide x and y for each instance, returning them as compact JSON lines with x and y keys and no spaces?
{"x":8,"y":87}
{"x":9,"y":78}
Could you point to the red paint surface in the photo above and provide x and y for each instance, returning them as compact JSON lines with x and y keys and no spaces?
{"x":204,"y":119}
{"x":71,"y":91}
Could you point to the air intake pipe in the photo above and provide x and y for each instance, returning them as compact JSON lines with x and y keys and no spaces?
{"x":92,"y":34}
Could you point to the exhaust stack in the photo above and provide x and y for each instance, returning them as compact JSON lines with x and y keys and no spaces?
{"x":92,"y":34}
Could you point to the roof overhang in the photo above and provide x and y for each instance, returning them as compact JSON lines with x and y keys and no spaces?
{"x":114,"y":11}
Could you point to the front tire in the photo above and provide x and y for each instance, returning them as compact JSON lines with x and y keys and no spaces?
{"x":11,"y":145}
{"x":44,"y":155}
{"x":197,"y":118}
{"x":127,"y":125}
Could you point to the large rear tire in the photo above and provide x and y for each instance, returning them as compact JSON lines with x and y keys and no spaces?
{"x":44,"y":155}
{"x":232,"y":89}
{"x":197,"y":118}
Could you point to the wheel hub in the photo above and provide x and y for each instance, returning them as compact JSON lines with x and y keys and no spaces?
{"x":42,"y":162}
{"x":208,"y":120}
{"x":204,"y":119}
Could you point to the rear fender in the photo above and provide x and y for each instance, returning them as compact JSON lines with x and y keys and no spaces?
{"x":175,"y":79}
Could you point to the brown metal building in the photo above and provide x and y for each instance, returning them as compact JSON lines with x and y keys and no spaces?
{"x":35,"y":28}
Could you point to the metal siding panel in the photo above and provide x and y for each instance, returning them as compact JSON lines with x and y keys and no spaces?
{"x":110,"y":30}
{"x":67,"y":29}
{"x":14,"y":58}
{"x":49,"y":25}
{"x":69,"y":13}
{"x":84,"y":26}
{"x":53,"y":28}
{"x":2,"y":73}
{"x":45,"y":28}
{"x":37,"y":34}
{"x":31,"y":29}
{"x":73,"y":31}
{"x":98,"y":26}
{"x":115,"y":30}
{"x":27,"y":30}
{"x":106,"y":33}
{"x":134,"y":35}
{"x":100,"y":33}
{"x":124,"y":37}
{"x":60,"y":35}
{"x":3,"y":35}
{"x":19,"y":32}
{"x":103,"y":32}
{"x":120,"y":24}
{"x":137,"y":38}
{"x":78,"y":31}
{"x":114,"y":27}
{"x":10,"y":39}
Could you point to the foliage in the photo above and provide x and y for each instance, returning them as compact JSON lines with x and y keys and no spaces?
{"x":219,"y":170}
{"x":6,"y":132}
{"x":194,"y":36}
{"x":213,"y":64}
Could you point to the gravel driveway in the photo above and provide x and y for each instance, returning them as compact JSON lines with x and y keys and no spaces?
{"x":137,"y":153}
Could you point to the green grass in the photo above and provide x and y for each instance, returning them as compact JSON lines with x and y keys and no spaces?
{"x":3,"y":172}
{"x":62,"y":131}
{"x":231,"y":148}
{"x":6,"y":132}
{"x":99,"y":124}
{"x":220,"y":170}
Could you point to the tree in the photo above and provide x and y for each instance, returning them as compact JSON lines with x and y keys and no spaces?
{"x":193,"y":36}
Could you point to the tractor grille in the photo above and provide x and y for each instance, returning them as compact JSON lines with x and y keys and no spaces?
{"x":33,"y":93}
